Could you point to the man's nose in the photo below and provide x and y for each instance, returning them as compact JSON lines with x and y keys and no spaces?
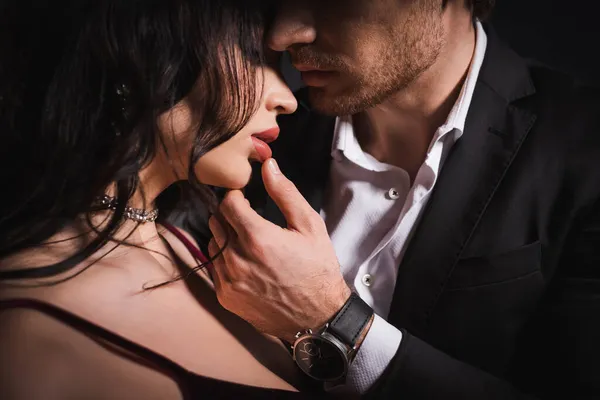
{"x":293,"y":24}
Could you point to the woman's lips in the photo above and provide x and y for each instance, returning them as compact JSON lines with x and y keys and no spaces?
{"x":260,"y":142}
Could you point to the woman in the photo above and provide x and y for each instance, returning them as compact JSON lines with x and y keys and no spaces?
{"x":104,"y":105}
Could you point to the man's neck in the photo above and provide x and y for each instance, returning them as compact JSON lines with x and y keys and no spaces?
{"x":399,"y":131}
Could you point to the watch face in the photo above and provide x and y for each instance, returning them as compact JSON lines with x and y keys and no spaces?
{"x":320,"y":359}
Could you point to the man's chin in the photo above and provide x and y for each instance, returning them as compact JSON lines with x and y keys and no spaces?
{"x":335,"y":104}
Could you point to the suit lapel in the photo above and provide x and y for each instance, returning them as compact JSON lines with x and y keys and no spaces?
{"x":494,"y":131}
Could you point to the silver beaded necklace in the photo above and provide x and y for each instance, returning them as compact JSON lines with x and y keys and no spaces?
{"x":135,"y":214}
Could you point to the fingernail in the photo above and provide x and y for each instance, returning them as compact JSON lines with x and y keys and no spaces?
{"x":274,"y":167}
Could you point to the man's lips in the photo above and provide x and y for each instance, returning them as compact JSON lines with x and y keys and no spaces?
{"x":261,"y":140}
{"x":318,"y":78}
{"x":315,"y":77}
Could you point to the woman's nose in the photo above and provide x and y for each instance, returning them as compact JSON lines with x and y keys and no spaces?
{"x":279,"y":97}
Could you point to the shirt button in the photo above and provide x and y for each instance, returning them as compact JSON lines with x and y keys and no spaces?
{"x":367,"y":280}
{"x":393,"y":194}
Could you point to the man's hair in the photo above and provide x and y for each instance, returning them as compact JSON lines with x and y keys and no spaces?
{"x":481,"y":9}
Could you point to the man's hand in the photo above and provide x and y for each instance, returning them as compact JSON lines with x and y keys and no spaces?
{"x":280,"y":280}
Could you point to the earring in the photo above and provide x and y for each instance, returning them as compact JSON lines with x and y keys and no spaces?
{"x":122,"y":92}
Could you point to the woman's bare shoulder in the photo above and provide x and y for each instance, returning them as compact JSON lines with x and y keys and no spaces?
{"x":43,"y":358}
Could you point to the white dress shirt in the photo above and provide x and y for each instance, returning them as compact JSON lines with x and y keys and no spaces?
{"x":371,"y":211}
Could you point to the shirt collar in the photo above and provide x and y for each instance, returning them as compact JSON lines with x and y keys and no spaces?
{"x":344,"y":140}
{"x":458,"y":115}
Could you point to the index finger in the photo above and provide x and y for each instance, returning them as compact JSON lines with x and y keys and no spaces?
{"x":297,"y":211}
{"x":239,"y":214}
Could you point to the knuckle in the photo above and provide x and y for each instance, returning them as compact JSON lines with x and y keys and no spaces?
{"x":319,"y":223}
{"x":289,"y":186}
{"x":314,"y":223}
{"x":258,"y":253}
{"x":258,"y":245}
{"x":255,"y":239}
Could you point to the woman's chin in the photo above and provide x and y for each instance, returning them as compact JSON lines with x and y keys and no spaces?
{"x":239,"y":181}
{"x":237,"y":186}
{"x":235,"y":176}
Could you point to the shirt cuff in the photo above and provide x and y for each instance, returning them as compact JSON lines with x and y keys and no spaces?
{"x":376,"y":352}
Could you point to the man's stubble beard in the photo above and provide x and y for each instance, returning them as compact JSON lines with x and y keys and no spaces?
{"x":417,"y":48}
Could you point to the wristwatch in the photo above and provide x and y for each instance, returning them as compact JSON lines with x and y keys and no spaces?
{"x":326,"y":354}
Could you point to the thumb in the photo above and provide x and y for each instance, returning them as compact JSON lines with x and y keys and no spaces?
{"x":296,"y":210}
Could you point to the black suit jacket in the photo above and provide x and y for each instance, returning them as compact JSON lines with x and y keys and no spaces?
{"x":498,"y":295}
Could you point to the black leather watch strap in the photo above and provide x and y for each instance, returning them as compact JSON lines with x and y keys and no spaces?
{"x":351,"y":320}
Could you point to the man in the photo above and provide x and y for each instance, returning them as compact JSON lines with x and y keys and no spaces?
{"x":452,"y":186}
